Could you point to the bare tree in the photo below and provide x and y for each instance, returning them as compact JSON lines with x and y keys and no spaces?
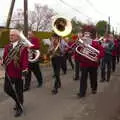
{"x":39,"y":19}
{"x":32,"y":19}
{"x":17,"y":19}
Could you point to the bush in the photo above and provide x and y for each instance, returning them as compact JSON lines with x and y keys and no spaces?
{"x":4,"y":33}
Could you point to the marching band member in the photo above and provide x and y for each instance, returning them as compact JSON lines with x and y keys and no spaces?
{"x":16,"y":65}
{"x":88,"y":66}
{"x":77,"y":63}
{"x":63,"y":46}
{"x":114,"y":52}
{"x":55,"y":53}
{"x":68,"y":54}
{"x":118,"y":50}
{"x":33,"y":67}
{"x":107,"y":59}
{"x":71,"y":50}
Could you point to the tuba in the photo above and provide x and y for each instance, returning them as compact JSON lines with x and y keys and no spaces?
{"x":27,"y":43}
{"x":61,"y":26}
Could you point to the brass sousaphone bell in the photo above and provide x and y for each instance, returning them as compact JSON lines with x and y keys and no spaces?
{"x":61,"y":26}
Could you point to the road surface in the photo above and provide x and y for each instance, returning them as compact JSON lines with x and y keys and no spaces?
{"x":40,"y":104}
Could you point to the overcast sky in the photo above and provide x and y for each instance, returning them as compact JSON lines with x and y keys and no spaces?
{"x":84,"y":10}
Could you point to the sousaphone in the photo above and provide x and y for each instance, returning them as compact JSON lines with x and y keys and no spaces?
{"x":61,"y":26}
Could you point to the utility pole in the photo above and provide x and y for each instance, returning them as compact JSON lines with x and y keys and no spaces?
{"x":113,"y":32}
{"x":109,"y":26}
{"x":26,"y":17}
{"x":10,"y":14}
{"x":116,"y":31}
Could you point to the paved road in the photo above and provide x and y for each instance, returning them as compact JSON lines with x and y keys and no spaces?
{"x":41,"y":105}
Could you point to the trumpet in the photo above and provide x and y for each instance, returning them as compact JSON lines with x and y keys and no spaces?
{"x":27,"y":43}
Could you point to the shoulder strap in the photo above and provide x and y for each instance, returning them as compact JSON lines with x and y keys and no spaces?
{"x":12,"y":53}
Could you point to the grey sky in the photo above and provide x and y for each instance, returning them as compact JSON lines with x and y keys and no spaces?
{"x":84,"y":10}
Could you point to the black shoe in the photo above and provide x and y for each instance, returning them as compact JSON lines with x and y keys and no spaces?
{"x":113,"y":70}
{"x":18,"y":112}
{"x":26,"y":89}
{"x":54,"y":91}
{"x":107,"y":80}
{"x":80,"y":96}
{"x":15,"y":107}
{"x":64,"y":72}
{"x":72,"y":68}
{"x":39,"y":85}
{"x":94,"y":91}
{"x":53,"y":76}
{"x":76,"y":78}
{"x":102,"y":80}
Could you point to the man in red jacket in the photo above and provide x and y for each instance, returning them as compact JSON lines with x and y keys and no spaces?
{"x":33,"y":67}
{"x":88,"y":66}
{"x":16,"y":65}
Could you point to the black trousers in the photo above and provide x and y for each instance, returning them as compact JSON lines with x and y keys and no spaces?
{"x":113,"y":63}
{"x":56,"y":64}
{"x":17,"y":93}
{"x":77,"y":69}
{"x":64,"y":63}
{"x":106,"y":65}
{"x":118,"y":57}
{"x":92,"y":71}
{"x":35,"y":68}
{"x":69,"y":58}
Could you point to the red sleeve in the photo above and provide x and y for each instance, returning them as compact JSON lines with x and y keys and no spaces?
{"x":100,"y":48}
{"x":24,"y":59}
{"x":102,"y":52}
{"x":116,"y":43}
{"x":36,"y":43}
{"x":5,"y":52}
{"x":70,"y":46}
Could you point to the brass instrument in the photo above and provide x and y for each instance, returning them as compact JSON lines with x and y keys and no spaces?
{"x":12,"y":53}
{"x":27,"y":43}
{"x":85,"y":50}
{"x":61,"y":26}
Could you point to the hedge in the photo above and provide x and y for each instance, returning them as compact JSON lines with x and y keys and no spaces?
{"x":4,"y":33}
